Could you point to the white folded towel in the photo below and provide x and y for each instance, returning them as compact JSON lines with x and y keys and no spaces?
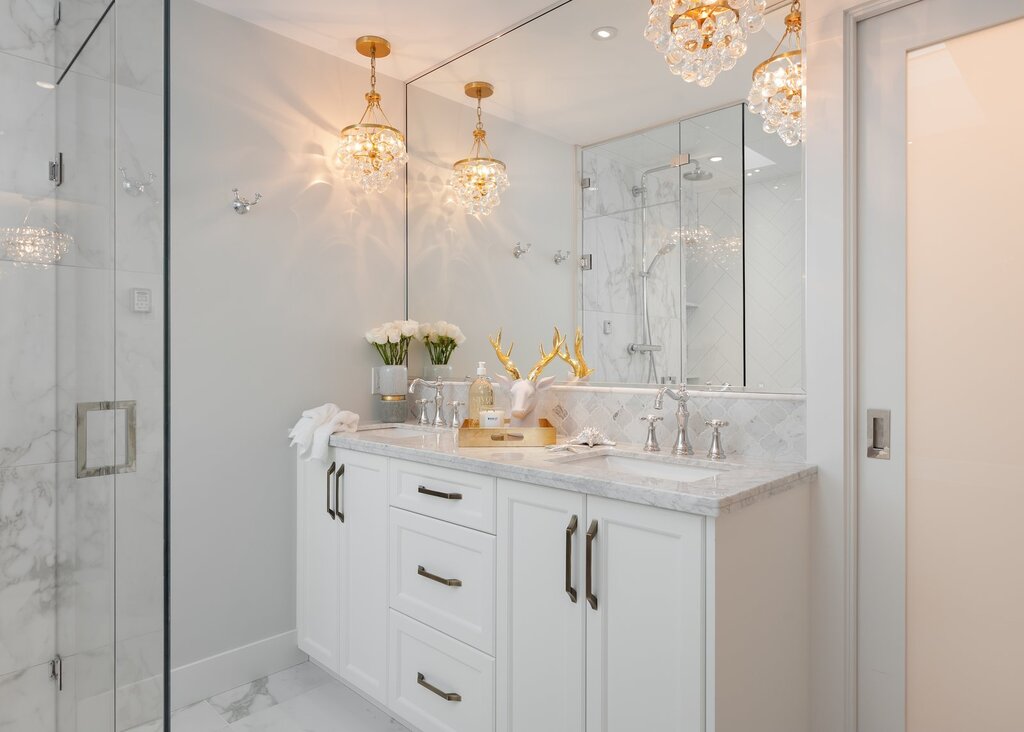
{"x":313,"y":431}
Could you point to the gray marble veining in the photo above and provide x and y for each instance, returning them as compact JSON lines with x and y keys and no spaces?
{"x":741,"y":482}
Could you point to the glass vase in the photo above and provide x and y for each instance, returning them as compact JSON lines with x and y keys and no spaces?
{"x":435,"y":371}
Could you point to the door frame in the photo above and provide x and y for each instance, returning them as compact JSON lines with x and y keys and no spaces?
{"x":852,"y":17}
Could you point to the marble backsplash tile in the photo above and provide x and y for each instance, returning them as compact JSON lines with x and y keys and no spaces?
{"x":771,"y":426}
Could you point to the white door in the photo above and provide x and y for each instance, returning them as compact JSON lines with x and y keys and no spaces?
{"x":940,"y":312}
{"x":318,"y":563}
{"x":362,"y":511}
{"x":645,"y":618}
{"x":540,"y":643}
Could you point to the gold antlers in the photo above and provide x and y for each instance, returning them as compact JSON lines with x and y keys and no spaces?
{"x":506,"y":357}
{"x":578,"y":365}
{"x":546,"y":358}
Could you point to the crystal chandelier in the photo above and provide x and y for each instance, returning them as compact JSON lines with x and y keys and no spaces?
{"x":777,"y":93}
{"x":36,"y":245}
{"x":480,"y":179}
{"x":372,"y":151}
{"x":702,"y":38}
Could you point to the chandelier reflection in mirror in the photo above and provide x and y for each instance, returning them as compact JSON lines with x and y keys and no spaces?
{"x":777,"y":93}
{"x":702,"y":38}
{"x":372,"y":151}
{"x":479,"y":180}
{"x":35,"y":245}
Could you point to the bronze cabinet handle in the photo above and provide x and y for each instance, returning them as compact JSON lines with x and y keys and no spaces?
{"x":570,"y":531}
{"x":330,"y":472}
{"x":447,"y":696}
{"x":337,"y":496}
{"x":591,"y":535}
{"x":438,"y":494}
{"x":441,"y":580}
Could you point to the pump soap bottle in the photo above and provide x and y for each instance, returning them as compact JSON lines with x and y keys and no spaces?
{"x":481,"y":394}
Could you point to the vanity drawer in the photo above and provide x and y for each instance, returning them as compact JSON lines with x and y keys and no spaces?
{"x":443,"y":575}
{"x":462,"y":498}
{"x":437,"y":683}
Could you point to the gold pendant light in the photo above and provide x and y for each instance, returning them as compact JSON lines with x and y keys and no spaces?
{"x":372,"y":151}
{"x":778,"y":92}
{"x":480,"y":179}
{"x":702,"y":38}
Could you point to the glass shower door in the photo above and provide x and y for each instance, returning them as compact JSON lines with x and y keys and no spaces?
{"x":109,"y":376}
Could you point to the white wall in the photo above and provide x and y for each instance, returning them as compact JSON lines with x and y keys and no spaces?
{"x":461,"y":266}
{"x":268,"y":309}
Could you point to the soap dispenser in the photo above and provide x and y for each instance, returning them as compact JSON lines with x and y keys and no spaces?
{"x":481,"y":394}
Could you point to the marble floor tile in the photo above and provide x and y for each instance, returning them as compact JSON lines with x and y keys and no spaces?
{"x":268,"y":692}
{"x":336,"y":708}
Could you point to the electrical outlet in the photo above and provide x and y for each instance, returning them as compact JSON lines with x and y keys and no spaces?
{"x":142,"y":300}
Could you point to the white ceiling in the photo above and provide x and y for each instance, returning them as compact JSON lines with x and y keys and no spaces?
{"x":422,"y":34}
{"x":552,"y":76}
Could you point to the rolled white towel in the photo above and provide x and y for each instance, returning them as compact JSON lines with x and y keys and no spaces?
{"x":311,"y":420}
{"x":343,"y":421}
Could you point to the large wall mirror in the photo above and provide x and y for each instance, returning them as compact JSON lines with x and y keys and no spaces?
{"x":655,"y":215}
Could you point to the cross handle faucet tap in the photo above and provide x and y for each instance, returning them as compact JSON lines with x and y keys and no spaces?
{"x":682,"y":444}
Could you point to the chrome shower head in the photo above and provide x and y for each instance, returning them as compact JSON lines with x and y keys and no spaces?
{"x":698,"y":173}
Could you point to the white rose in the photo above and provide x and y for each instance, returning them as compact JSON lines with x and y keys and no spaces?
{"x":458,"y":336}
{"x":393,"y":334}
{"x":369,"y":336}
{"x":423,"y":331}
{"x":409,"y":328}
{"x":441,"y":327}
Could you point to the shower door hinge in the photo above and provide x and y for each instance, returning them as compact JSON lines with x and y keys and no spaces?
{"x":57,"y":671}
{"x":585,"y":184}
{"x":57,"y":169}
{"x":56,"y":13}
{"x":587,"y":262}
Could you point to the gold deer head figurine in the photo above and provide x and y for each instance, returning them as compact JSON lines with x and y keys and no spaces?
{"x":524,"y":392}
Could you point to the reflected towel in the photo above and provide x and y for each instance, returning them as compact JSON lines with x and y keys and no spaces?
{"x":312,"y":433}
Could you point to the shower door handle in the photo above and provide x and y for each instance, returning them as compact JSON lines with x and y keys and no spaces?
{"x":83,"y":470}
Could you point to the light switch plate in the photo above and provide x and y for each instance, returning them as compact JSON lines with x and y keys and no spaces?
{"x":142,"y":300}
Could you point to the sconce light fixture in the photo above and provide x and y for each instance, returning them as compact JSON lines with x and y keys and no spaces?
{"x":372,"y":151}
{"x":480,"y":179}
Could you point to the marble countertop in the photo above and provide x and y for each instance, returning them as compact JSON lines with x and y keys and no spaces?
{"x":741,"y":482}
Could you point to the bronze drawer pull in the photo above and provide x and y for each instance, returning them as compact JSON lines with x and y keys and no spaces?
{"x":440,"y":580}
{"x":438,"y":494}
{"x":330,"y":472}
{"x":570,"y":531}
{"x":447,"y":696}
{"x":339,"y":476}
{"x":591,"y":534}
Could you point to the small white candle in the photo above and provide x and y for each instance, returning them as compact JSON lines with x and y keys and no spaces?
{"x":492,"y":418}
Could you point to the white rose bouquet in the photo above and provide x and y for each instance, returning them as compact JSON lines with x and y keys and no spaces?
{"x":392,"y":340}
{"x":440,"y":339}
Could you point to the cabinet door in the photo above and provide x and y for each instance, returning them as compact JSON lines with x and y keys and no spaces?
{"x":645,"y":650}
{"x":540,"y":641}
{"x":318,"y":599}
{"x":362,"y":510}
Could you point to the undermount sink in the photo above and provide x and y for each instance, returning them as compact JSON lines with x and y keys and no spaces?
{"x":645,"y":467}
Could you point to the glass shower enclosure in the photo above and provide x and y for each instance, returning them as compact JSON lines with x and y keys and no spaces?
{"x":82,"y":368}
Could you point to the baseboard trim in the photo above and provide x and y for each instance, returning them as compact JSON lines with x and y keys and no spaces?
{"x":206,"y":677}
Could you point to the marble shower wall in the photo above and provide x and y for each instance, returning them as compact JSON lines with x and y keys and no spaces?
{"x":769,"y":426}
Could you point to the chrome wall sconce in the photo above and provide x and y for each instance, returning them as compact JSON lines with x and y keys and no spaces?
{"x":242,"y":205}
{"x":519,"y":250}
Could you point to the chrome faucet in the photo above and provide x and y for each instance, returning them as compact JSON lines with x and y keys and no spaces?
{"x":682,"y":445}
{"x":438,"y":387}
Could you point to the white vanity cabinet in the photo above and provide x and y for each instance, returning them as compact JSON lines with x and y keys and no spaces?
{"x":342,"y":594}
{"x":690,"y":623}
{"x":461,"y":602}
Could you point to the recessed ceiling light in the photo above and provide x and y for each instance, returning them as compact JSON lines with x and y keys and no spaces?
{"x":604,"y":33}
{"x":46,"y":85}
{"x":715,"y":158}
